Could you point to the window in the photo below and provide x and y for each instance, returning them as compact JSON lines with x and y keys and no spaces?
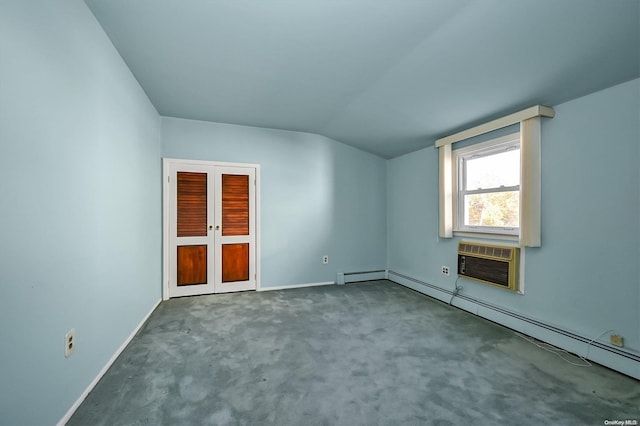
{"x":528,"y":187}
{"x":487,"y":187}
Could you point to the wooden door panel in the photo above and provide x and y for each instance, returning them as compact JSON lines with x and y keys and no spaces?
{"x":235,"y":262}
{"x":192,"y":204}
{"x":192,"y":265}
{"x":235,"y":205}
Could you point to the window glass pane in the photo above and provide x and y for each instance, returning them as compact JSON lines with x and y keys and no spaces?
{"x":493,"y":171}
{"x":492,"y":209}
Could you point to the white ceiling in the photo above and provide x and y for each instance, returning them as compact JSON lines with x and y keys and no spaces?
{"x":386,"y":76}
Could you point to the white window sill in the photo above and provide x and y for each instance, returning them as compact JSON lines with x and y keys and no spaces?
{"x":486,"y":235}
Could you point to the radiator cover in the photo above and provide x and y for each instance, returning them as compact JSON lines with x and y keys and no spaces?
{"x":490,"y":264}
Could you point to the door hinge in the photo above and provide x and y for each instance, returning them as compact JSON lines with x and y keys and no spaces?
{"x":169,"y":179}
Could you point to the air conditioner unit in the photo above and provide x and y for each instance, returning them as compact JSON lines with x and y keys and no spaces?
{"x":490,"y":264}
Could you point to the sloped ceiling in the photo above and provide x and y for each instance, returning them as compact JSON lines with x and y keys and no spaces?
{"x":386,"y":76}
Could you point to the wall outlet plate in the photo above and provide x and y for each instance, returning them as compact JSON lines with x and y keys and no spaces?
{"x":445,"y":270}
{"x":325,"y":259}
{"x":617,"y":340}
{"x":69,"y":342}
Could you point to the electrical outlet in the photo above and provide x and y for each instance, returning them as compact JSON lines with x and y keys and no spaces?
{"x":325,"y":259}
{"x":617,"y":340}
{"x":445,"y":270}
{"x":69,"y":342}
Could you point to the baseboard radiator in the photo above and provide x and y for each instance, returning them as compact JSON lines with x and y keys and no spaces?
{"x":354,"y":277}
{"x":442,"y":294}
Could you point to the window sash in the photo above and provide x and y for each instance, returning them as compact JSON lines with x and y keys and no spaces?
{"x":514,"y":188}
{"x":461,"y":226}
{"x":481,"y":150}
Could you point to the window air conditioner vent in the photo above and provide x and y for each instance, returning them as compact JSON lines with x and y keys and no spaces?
{"x":489,"y":264}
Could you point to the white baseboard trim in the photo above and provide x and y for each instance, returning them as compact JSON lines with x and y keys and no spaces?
{"x":285,"y":287}
{"x":95,"y":381}
{"x":626,"y":362}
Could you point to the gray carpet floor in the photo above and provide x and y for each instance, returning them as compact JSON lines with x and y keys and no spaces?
{"x":371,"y":353}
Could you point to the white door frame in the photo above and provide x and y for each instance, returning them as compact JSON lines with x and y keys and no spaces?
{"x":166,"y":163}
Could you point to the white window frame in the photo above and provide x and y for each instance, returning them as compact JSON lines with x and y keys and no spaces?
{"x":490,"y":147}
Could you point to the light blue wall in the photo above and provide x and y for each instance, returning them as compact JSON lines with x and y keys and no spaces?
{"x":80,"y":202}
{"x":585,"y":277}
{"x":318,"y":196}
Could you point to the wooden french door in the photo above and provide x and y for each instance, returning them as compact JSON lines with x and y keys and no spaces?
{"x":211,"y":227}
{"x":234,"y":239}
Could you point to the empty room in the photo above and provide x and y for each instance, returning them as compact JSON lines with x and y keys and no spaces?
{"x":358,"y":212}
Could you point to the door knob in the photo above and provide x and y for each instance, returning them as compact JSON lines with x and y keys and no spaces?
{"x":210,"y":227}
{"x":217,"y":227}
